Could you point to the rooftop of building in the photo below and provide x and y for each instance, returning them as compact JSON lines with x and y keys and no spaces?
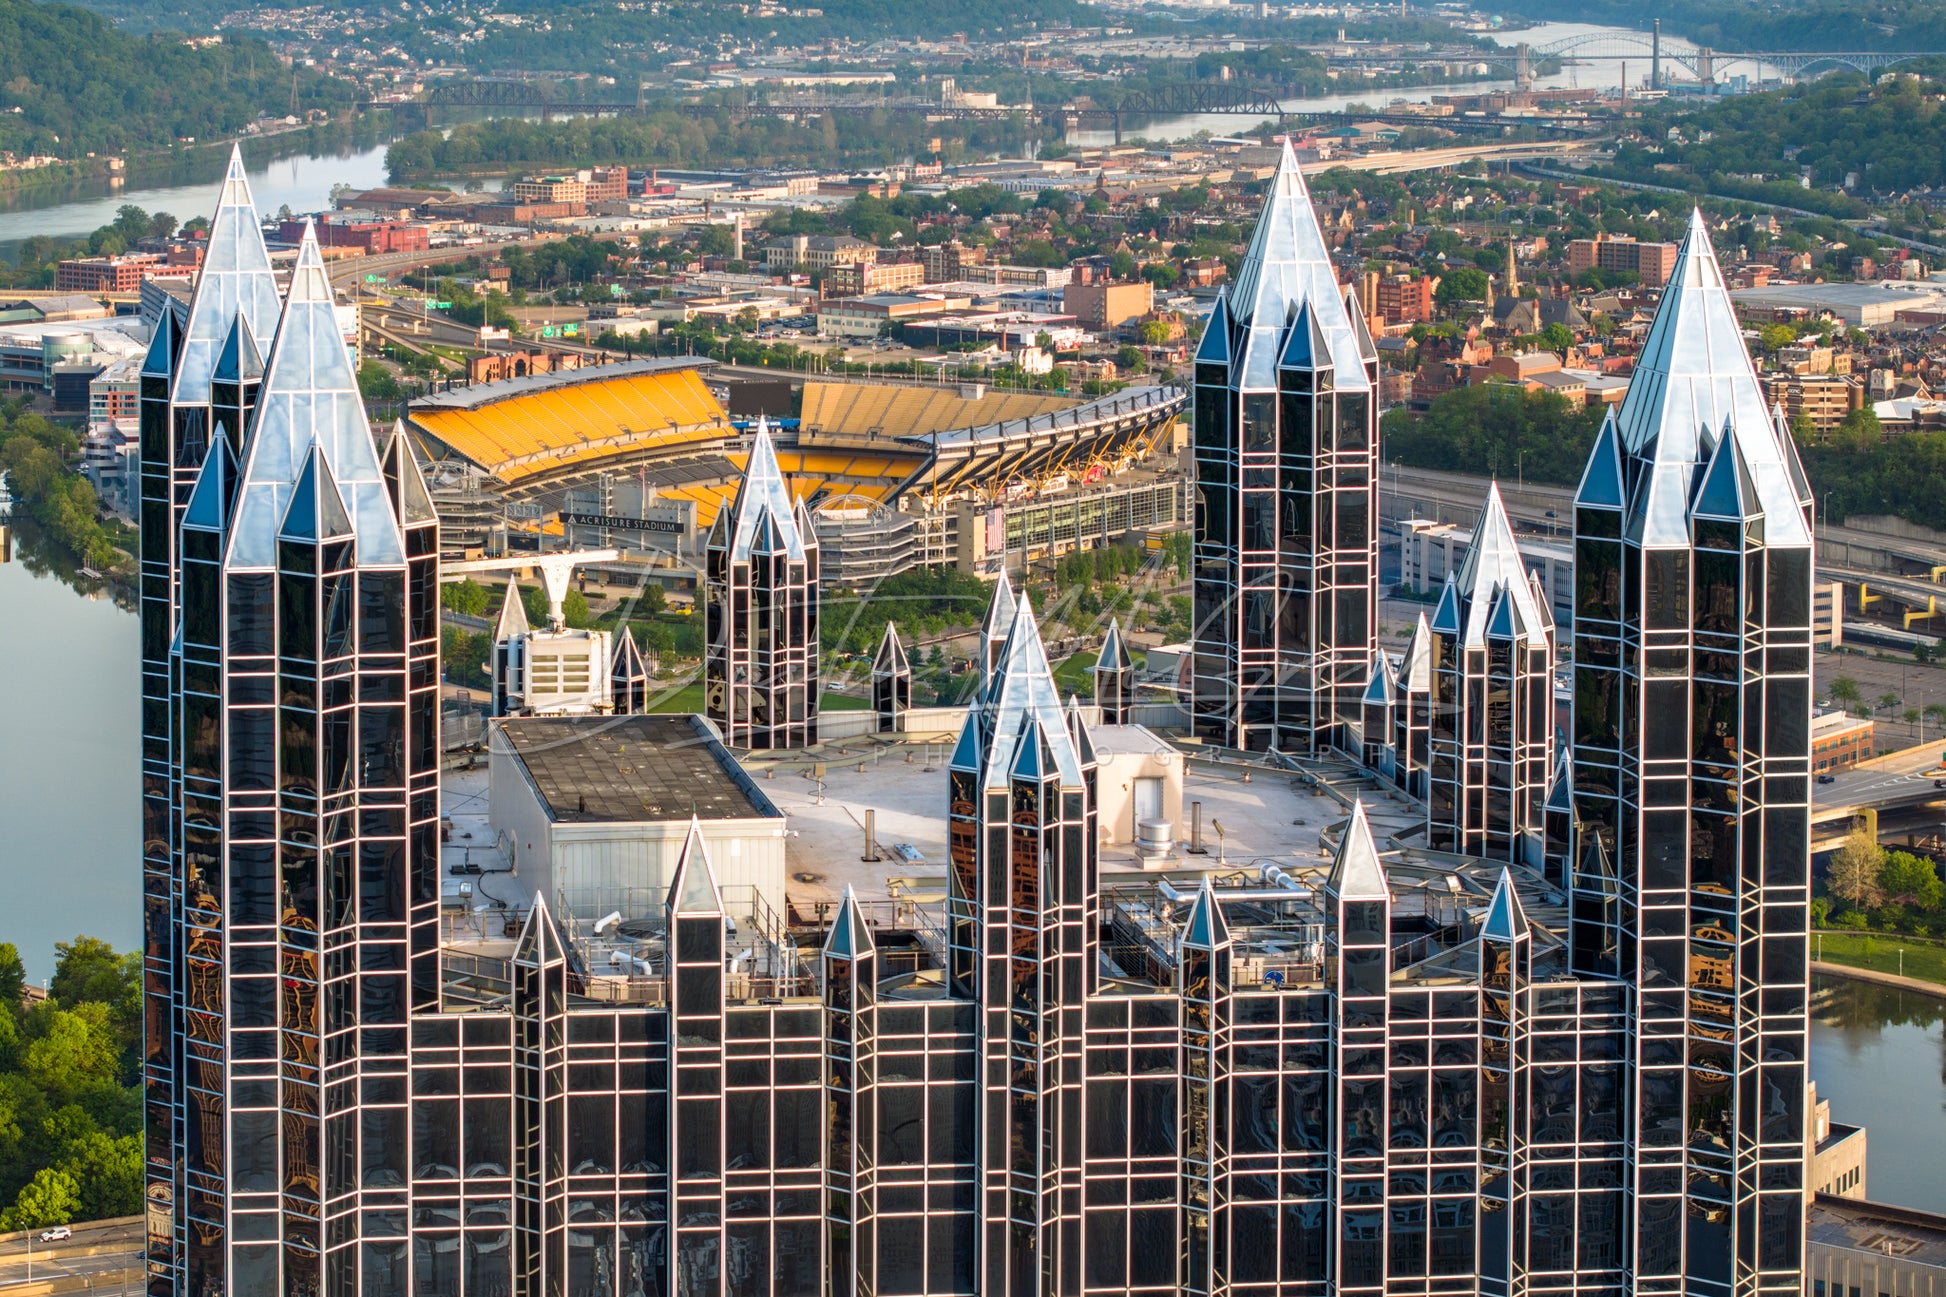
{"x":861,"y":409}
{"x":1900,"y":1233}
{"x":621,"y":769}
{"x":1812,"y":296}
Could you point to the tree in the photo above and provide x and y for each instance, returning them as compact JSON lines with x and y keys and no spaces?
{"x":72,"y":1049}
{"x":653,"y":598}
{"x":376,"y":383}
{"x":50,"y":1198}
{"x":13,"y":976}
{"x":1844,"y":692}
{"x":1911,"y":880}
{"x":1461,"y":284}
{"x":468,"y":598}
{"x":1888,"y":701}
{"x":1855,"y":869}
{"x":1777,"y":336}
{"x":575,"y":611}
{"x":1129,"y":359}
{"x":88,"y":971}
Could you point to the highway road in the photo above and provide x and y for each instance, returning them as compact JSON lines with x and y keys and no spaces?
{"x":108,"y":1253}
{"x":1903,"y":778}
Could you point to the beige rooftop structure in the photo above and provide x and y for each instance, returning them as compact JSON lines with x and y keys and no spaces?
{"x":857,"y":410}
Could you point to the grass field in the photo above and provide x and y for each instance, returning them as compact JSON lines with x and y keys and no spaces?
{"x":689,"y":698}
{"x":1880,"y":953}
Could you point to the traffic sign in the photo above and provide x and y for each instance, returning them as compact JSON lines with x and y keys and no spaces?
{"x":442,"y":306}
{"x":569,"y":330}
{"x":549,"y":331}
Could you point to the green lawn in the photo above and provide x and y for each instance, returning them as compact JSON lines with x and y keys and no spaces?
{"x":1880,"y":953}
{"x":689,"y":698}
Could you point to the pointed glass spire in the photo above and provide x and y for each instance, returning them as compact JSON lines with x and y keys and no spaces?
{"x":1493,"y":564}
{"x":1214,"y":349}
{"x":310,"y":394}
{"x":209,"y":503}
{"x":1206,"y":929}
{"x":1029,"y":762}
{"x":1357,"y":874}
{"x":160,"y":359}
{"x":1367,"y":348}
{"x":1446,"y":616}
{"x":539,"y":944}
{"x":1288,"y":264}
{"x":316,"y":512}
{"x":1543,"y":606}
{"x":1000,"y":610}
{"x":1305,"y":347}
{"x":1415,"y":667}
{"x":235,"y":279}
{"x":1379,"y":686}
{"x":1601,"y":482}
{"x":967,"y":752}
{"x":513,"y":615}
{"x":890,"y":659}
{"x":1560,"y":793}
{"x":239,"y":361}
{"x":1725,"y":491}
{"x":765,"y":515}
{"x":414,"y":499}
{"x":1694,"y":373}
{"x":1505,"y":920}
{"x":1078,"y":731}
{"x":626,"y":669}
{"x":849,"y":937}
{"x":1114,"y":654}
{"x":1022,"y":689}
{"x":1792,"y":462}
{"x":692,"y":890}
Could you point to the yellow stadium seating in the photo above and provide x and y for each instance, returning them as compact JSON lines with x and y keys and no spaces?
{"x":541,"y":431}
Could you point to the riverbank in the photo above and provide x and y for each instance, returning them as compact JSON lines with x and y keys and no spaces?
{"x":1887,"y":957}
{"x":189,"y":163}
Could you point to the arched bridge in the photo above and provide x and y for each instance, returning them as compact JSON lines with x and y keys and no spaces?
{"x":1701,"y":61}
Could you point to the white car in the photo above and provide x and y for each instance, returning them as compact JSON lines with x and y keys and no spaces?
{"x":56,"y":1234}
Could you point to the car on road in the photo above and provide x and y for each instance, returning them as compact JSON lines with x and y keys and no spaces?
{"x":1827,"y":779}
{"x":56,"y":1234}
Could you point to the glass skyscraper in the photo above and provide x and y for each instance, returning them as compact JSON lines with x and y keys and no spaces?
{"x":1691,"y":778}
{"x":1286,"y":447}
{"x":1492,"y":719}
{"x":1393,"y":1078}
{"x":761,"y":680}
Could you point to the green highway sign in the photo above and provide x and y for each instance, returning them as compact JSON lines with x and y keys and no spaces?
{"x":549,"y":331}
{"x":570,"y":329}
{"x":375,"y":279}
{"x":442,"y":306}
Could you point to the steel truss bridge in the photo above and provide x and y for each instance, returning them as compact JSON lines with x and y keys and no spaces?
{"x":1188,"y":98}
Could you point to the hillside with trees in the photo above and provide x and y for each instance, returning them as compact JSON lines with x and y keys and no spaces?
{"x":71,"y":84}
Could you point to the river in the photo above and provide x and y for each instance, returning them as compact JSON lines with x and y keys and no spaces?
{"x":70,"y":211}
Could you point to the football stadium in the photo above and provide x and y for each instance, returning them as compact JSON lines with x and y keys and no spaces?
{"x":641,"y":456}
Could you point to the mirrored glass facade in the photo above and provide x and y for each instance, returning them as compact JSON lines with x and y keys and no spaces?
{"x":1432,"y":1081}
{"x":1286,"y":446}
{"x":760,"y":605}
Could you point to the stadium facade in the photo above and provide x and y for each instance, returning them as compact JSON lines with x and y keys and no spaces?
{"x":1079,"y":1084}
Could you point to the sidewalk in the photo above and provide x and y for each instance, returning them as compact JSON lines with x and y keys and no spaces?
{"x":1883,"y":979}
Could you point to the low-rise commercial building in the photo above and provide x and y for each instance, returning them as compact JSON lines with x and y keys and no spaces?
{"x":1839,"y":741}
{"x":1102,"y":307}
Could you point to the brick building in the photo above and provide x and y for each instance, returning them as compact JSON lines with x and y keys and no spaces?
{"x":1652,"y":261}
{"x":1405,"y":299}
{"x":1101,"y":307}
